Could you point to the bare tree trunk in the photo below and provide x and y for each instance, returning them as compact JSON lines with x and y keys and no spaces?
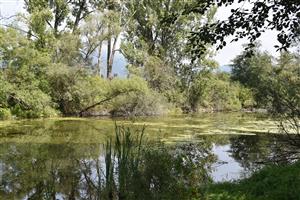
{"x":98,"y":70}
{"x":108,"y":66}
{"x":111,"y":57}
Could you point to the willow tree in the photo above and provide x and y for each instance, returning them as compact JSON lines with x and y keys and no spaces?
{"x":156,"y":42}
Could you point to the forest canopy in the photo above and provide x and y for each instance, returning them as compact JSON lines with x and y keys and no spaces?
{"x":58,"y":58}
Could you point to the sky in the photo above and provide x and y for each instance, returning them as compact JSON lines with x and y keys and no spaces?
{"x":223,"y":56}
{"x":10,"y":7}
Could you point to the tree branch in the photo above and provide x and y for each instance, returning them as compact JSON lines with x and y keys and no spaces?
{"x":103,"y":101}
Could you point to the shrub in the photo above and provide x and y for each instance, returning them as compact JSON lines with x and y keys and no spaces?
{"x":223,"y":95}
{"x":20,"y":92}
{"x":139,"y":104}
{"x":133,"y":97}
{"x":5,"y":114}
{"x":246,"y":97}
{"x":73,"y":89}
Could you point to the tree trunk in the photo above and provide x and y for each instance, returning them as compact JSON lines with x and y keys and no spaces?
{"x":111,"y":57}
{"x":56,"y":25}
{"x":78,"y":15}
{"x":98,"y":70}
{"x":108,"y":66}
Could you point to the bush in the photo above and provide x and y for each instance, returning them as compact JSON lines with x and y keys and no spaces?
{"x":137,"y":99}
{"x":224,"y":96}
{"x":30,"y":103}
{"x":224,"y":196}
{"x":21,"y":93}
{"x":228,"y":95}
{"x":73,"y":89}
{"x":139,"y":104}
{"x":216,"y":92}
{"x":5,"y":114}
{"x":246,"y":97}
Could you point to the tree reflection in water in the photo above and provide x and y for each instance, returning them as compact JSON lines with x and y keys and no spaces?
{"x":252,"y":152}
{"x":122,"y":168}
{"x":127,"y":171}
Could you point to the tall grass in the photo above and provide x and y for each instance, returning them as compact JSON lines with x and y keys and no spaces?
{"x":117,"y":169}
{"x":122,"y":161}
{"x":134,"y":169}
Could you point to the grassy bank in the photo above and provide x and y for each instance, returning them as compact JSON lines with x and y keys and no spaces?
{"x":270,"y":183}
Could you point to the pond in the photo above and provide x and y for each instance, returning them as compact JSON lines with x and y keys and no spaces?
{"x":51,"y":156}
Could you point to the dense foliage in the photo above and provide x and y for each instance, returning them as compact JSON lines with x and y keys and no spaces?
{"x":52,"y":64}
{"x":275,"y":82}
{"x":55,"y":65}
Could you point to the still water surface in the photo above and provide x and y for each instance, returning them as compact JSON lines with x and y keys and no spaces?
{"x":31,"y":149}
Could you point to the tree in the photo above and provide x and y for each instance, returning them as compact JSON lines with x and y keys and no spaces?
{"x":102,"y":27}
{"x":149,"y":27}
{"x":62,"y":14}
{"x":276,"y":85}
{"x":94,"y":34}
{"x":23,"y":75}
{"x":158,"y":45}
{"x":62,"y":22}
{"x":253,"y":72}
{"x":280,"y":86}
{"x":282,"y":16}
{"x":114,"y":30}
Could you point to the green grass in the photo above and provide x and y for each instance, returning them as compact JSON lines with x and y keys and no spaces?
{"x":270,"y":183}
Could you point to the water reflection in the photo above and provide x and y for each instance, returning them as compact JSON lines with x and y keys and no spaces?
{"x":80,"y":171}
{"x":49,"y":171}
{"x":238,"y":156}
{"x":68,"y":159}
{"x":40,"y":171}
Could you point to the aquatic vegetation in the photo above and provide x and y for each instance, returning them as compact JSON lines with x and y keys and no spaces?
{"x":134,"y":170}
{"x":168,"y":129}
{"x":81,"y":159}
